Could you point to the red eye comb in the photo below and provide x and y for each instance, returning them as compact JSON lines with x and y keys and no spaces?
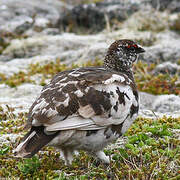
{"x":134,"y":45}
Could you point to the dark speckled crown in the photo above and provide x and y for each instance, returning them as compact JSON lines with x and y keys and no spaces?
{"x":121,"y":55}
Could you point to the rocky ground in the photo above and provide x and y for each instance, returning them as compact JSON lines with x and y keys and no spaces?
{"x":39,"y":38}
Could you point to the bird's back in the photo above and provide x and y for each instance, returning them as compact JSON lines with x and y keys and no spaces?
{"x":88,"y":93}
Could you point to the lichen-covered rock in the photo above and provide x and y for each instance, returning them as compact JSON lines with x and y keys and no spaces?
{"x":18,"y":16}
{"x":8,"y":138}
{"x":166,"y":48}
{"x":146,"y":100}
{"x":167,"y":103}
{"x":167,"y":67}
{"x":95,"y":16}
{"x":159,"y":105}
{"x":171,"y":5}
{"x":148,"y":20}
{"x":66,"y":46}
{"x":21,"y":64}
{"x":19,"y":98}
{"x":175,"y":24}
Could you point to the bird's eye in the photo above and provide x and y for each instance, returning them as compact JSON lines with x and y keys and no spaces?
{"x":132,"y":48}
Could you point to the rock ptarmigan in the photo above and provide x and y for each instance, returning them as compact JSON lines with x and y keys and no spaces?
{"x":85,"y":108}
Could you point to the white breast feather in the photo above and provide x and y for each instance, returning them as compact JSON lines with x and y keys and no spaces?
{"x":123,"y":110}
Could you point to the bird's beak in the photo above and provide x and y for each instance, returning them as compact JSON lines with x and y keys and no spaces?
{"x":140,"y":50}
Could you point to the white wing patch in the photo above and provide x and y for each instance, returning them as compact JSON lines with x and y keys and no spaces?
{"x":114,"y":78}
{"x":64,"y":79}
{"x":79,"y":93}
{"x":77,"y":73}
{"x":40,"y":105}
{"x":123,"y":109}
{"x":64,"y":84}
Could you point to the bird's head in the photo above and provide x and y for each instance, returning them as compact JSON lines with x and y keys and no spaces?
{"x":122,"y":54}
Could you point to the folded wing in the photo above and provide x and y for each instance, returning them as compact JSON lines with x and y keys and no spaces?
{"x":84,"y":99}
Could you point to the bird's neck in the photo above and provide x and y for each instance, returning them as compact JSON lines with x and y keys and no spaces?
{"x":129,"y":73}
{"x":112,"y":65}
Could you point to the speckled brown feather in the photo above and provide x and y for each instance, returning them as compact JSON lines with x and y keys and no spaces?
{"x":96,"y":99}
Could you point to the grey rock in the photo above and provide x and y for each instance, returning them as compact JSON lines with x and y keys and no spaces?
{"x":171,"y":5}
{"x":20,"y":15}
{"x":95,"y":16}
{"x":67,"y":46}
{"x":72,"y":48}
{"x":167,"y":48}
{"x":167,"y":103}
{"x":9,"y":68}
{"x":19,"y":98}
{"x":51,"y":31}
{"x":167,"y":67}
{"x":153,"y":106}
{"x":8,"y":138}
{"x":146,"y":100}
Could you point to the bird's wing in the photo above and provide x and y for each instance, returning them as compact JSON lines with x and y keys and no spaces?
{"x":85,"y":98}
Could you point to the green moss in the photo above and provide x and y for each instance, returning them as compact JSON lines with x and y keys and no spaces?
{"x":11,"y":123}
{"x":91,"y":1}
{"x":152,"y":151}
{"x":16,"y":79}
{"x":178,"y":62}
{"x":29,"y":166}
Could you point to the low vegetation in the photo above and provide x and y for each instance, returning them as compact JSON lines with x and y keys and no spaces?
{"x":150,"y":150}
{"x":146,"y":80}
{"x":161,"y":83}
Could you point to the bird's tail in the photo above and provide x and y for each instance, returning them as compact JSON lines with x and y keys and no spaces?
{"x":33,"y":142}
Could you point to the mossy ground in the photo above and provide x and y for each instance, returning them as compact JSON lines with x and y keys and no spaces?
{"x":151,"y":149}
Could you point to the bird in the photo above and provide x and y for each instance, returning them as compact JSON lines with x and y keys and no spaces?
{"x":85,"y":108}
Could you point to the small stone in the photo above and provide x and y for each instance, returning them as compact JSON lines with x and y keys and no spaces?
{"x":167,"y":103}
{"x":167,"y":67}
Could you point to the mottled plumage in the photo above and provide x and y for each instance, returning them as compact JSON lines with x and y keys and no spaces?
{"x":85,"y":108}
